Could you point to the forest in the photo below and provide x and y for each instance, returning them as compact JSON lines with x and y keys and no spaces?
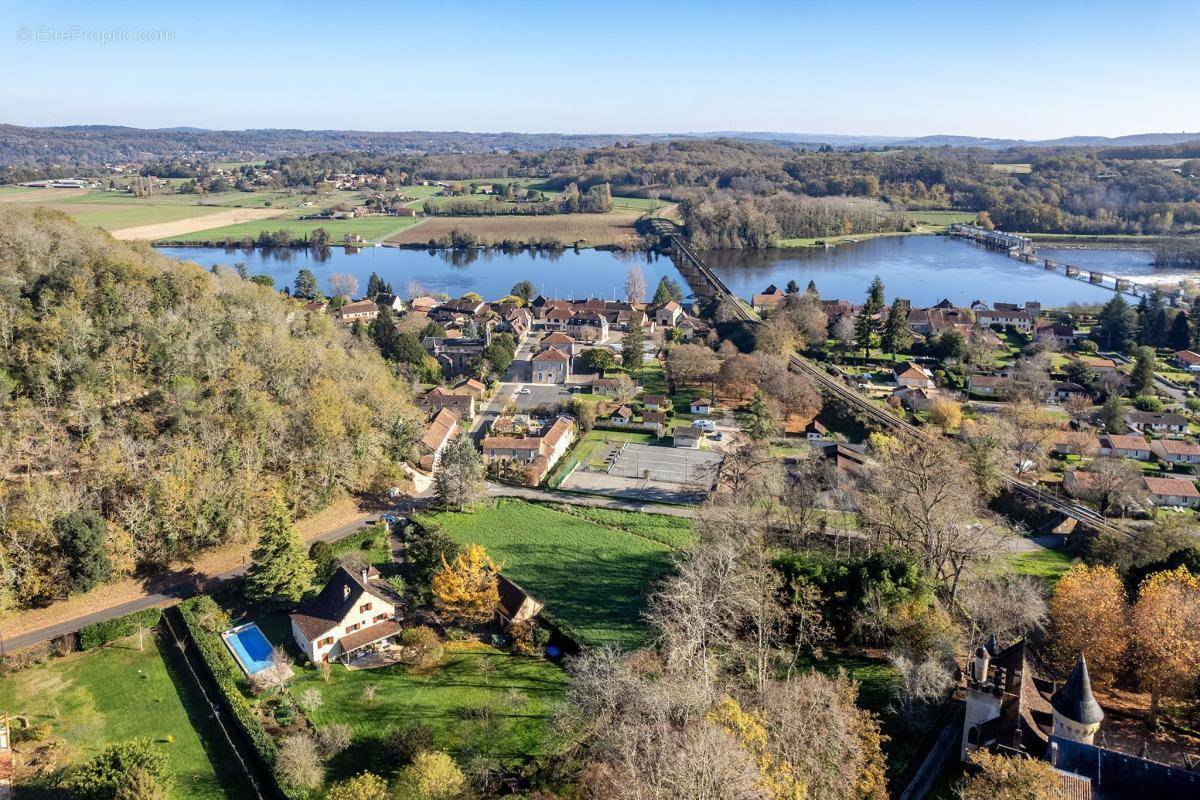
{"x":1071,"y":190}
{"x":151,"y":409}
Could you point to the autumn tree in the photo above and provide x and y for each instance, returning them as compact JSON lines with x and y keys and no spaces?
{"x":1089,"y":615}
{"x":281,"y":570}
{"x":431,"y":776}
{"x":1166,"y":636}
{"x":458,"y":476}
{"x":363,"y":786}
{"x":465,"y":588}
{"x":945,"y":413}
{"x":1005,"y":777}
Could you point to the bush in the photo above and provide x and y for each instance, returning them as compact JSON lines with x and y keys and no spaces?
{"x":333,"y":739}
{"x":402,"y":744}
{"x":102,"y":633}
{"x":119,"y":768}
{"x":1148,"y":403}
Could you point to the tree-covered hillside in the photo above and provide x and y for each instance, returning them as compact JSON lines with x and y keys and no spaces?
{"x":147,"y":408}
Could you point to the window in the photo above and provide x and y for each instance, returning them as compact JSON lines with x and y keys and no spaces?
{"x":364,"y":607}
{"x":352,"y":628}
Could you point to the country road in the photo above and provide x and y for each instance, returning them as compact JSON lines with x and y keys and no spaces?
{"x":166,"y":596}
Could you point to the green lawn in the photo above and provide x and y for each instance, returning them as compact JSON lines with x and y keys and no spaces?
{"x":1047,"y":564}
{"x":941,"y":218}
{"x":593,"y":578}
{"x":502,"y":710}
{"x":674,"y":532}
{"x":119,"y":693}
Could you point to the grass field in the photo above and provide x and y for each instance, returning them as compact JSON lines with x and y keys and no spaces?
{"x":478,"y":701}
{"x":593,"y":577}
{"x":589,"y":230}
{"x":116,"y":694}
{"x":1047,"y":564}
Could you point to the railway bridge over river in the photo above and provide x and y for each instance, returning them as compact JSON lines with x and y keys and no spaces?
{"x":708,"y":285}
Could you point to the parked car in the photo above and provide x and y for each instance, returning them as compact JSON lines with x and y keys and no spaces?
{"x":704,"y":425}
{"x":523,"y":390}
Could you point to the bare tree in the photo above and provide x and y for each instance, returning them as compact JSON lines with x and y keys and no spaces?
{"x":914,"y":498}
{"x":1006,"y":604}
{"x":344,"y":285}
{"x":1114,"y":484}
{"x":635,"y":286}
{"x":298,"y":762}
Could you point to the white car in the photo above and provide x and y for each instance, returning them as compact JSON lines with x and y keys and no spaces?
{"x":704,"y":425}
{"x":524,"y":390}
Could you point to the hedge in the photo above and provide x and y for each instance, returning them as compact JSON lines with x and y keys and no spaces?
{"x":228,"y":676}
{"x":100,"y":634}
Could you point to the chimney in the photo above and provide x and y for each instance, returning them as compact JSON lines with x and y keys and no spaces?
{"x":364,"y":575}
{"x":1054,"y":754}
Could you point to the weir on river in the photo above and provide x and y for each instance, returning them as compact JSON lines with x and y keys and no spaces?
{"x":1023,"y":249}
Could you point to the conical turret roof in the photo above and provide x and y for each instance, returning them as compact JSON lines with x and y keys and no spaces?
{"x":1074,"y":699}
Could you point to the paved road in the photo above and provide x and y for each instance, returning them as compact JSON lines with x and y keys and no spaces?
{"x":166,"y":596}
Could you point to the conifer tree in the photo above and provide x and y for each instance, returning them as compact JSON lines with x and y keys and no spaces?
{"x":1180,"y":336}
{"x":896,"y":336}
{"x":281,"y":571}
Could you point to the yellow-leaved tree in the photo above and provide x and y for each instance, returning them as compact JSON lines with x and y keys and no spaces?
{"x":1166,"y":633}
{"x":465,"y":589}
{"x":431,"y":776}
{"x":1090,"y":616}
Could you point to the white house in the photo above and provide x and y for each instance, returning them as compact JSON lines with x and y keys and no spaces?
{"x":701,"y":407}
{"x":669,"y":314}
{"x":551,"y":366}
{"x":1176,"y":451}
{"x":1125,"y":446}
{"x":1188,"y":359}
{"x":913,"y":376}
{"x":353,"y":612}
{"x":1172,"y":491}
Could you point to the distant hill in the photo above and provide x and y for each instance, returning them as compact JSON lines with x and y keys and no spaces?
{"x":945,"y":140}
{"x":95,"y":145}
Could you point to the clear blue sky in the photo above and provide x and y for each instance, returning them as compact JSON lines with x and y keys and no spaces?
{"x":895,"y":68}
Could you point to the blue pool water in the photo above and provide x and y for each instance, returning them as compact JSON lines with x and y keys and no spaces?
{"x":250,"y":647}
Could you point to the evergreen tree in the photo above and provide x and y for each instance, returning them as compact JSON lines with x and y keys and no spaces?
{"x":668,"y":289}
{"x":761,"y":421}
{"x":81,"y":542}
{"x":812,"y":289}
{"x":1142,"y":379}
{"x":1118,"y":326}
{"x":896,"y":336}
{"x":458,"y":478}
{"x":863,"y":327}
{"x":793,"y":287}
{"x":281,"y":571}
{"x":631,"y":346}
{"x":306,"y":285}
{"x":375,"y":286}
{"x":875,"y":300}
{"x":1180,"y":335}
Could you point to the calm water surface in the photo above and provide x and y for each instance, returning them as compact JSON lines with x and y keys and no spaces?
{"x":923,"y":269}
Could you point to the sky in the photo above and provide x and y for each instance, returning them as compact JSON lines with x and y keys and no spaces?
{"x":901,"y":68}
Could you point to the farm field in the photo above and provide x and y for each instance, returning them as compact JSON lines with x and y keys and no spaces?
{"x":478,"y":700}
{"x":589,"y":230}
{"x":1013,"y":169}
{"x":592,"y":577}
{"x":116,"y":694}
{"x":372,"y":229}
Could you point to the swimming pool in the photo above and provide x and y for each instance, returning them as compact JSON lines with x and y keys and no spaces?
{"x":249,"y":646}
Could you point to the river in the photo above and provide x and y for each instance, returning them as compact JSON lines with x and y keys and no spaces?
{"x":923,"y":269}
